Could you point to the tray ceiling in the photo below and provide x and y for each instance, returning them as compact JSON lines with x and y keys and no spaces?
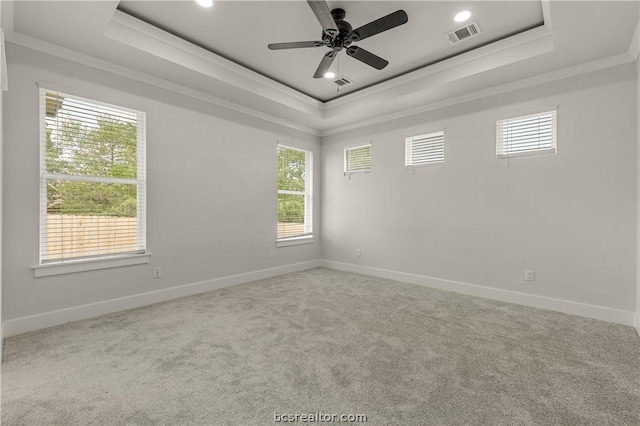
{"x":240,"y":31}
{"x":220,"y":56}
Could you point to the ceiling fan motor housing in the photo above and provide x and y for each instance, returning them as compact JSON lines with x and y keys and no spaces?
{"x":344,"y":37}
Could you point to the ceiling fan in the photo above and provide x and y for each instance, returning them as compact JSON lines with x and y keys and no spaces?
{"x":338,"y":34}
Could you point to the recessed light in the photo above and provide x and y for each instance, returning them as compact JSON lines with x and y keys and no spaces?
{"x":329,"y":74}
{"x":205,"y":3}
{"x":462,"y":16}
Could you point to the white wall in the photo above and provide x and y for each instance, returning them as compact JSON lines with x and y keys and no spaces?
{"x":637,"y":319}
{"x":212,"y":202}
{"x":571,"y":217}
{"x":1,"y":150}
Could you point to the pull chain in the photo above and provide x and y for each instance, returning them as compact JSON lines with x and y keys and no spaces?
{"x":338,"y":75}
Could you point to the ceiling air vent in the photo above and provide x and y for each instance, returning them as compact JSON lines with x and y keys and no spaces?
{"x":468,"y":31}
{"x":342,"y":81}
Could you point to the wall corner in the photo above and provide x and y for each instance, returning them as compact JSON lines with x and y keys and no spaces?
{"x":636,"y":322}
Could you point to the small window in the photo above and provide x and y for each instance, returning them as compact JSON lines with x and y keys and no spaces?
{"x":357,"y":159}
{"x":424,"y":149}
{"x":526,"y":135}
{"x":92,"y":179}
{"x":295,"y":189}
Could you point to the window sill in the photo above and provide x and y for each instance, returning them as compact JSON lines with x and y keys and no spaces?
{"x":295,"y":241}
{"x":73,"y":266}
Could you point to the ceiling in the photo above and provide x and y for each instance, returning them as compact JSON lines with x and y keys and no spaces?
{"x":240,"y":31}
{"x":219,"y":55}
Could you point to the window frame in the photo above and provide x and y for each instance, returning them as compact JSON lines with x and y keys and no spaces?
{"x":523,"y":115}
{"x":307,"y":236}
{"x":409,"y":149}
{"x":347,"y":171}
{"x":46,"y":267}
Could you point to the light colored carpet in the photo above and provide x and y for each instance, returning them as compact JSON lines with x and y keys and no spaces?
{"x":327,"y":341}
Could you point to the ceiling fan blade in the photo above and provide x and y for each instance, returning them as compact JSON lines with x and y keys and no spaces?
{"x":385,"y":23}
{"x":294,"y":45}
{"x":325,"y":64}
{"x":367,"y":57}
{"x":320,"y":8}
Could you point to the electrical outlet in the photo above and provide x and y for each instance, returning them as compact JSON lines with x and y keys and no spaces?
{"x":529,"y":275}
{"x":358,"y":252}
{"x":157,"y":272}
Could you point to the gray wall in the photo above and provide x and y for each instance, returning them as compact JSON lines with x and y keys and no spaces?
{"x":571,"y":217}
{"x":212,"y":182}
{"x":1,"y":198}
{"x":637,"y":324}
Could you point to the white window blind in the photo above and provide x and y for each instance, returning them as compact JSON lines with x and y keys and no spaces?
{"x":295,"y":189}
{"x":526,"y":135}
{"x":93,"y":179}
{"x":424,"y":149}
{"x":357,"y":159}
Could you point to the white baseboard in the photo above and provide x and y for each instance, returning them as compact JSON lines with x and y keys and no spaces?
{"x":48,"y":319}
{"x":569,"y":307}
{"x":636,"y":322}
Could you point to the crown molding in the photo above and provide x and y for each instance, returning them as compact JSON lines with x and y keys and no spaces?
{"x":585,"y":68}
{"x":74,"y":56}
{"x":138,"y":34}
{"x":90,"y":61}
{"x":358,"y":106}
{"x":6,"y":27}
{"x":411,"y":91}
{"x":6,"y":16}
{"x":527,"y":44}
{"x":634,"y":46}
{"x":4,"y":82}
{"x":401,"y":97}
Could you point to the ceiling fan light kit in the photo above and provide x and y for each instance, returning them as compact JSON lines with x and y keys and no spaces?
{"x":205,"y":3}
{"x":338,"y":34}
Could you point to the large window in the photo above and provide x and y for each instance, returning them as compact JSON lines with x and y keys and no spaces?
{"x":295,"y":186}
{"x":93,"y":184}
{"x":526,"y":135}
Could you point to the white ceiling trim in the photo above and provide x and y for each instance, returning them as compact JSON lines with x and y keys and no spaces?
{"x":546,"y":13}
{"x":634,"y":46}
{"x":150,"y":39}
{"x":140,"y":35}
{"x":346,"y":113}
{"x":4,"y":81}
{"x":597,"y":65}
{"x":90,"y":61}
{"x":71,"y":55}
{"x":6,"y":23}
{"x":528,"y":44}
{"x":534,"y":42}
{"x":6,"y":20}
